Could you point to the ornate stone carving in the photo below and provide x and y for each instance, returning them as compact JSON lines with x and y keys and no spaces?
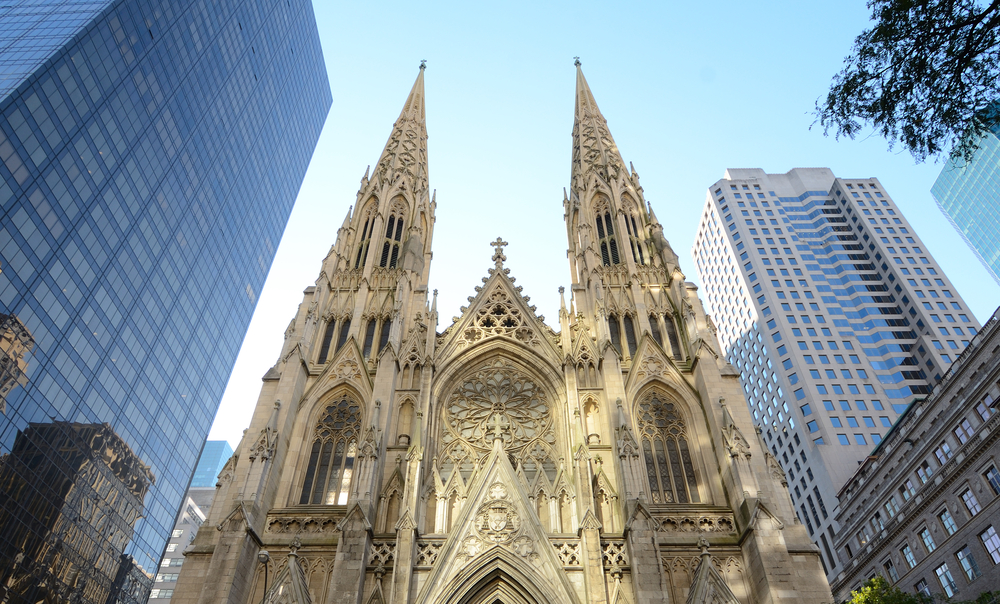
{"x":497,"y":522}
{"x":613,"y":553}
{"x":716,"y":523}
{"x":301,"y":524}
{"x":568,"y":552}
{"x":382,"y":553}
{"x":497,"y":391}
{"x":428,"y":552}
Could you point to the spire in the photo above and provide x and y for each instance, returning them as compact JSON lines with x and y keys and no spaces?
{"x":405,"y":153}
{"x":594,"y":149}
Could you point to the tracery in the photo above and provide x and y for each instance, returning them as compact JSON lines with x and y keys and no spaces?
{"x":497,"y":399}
{"x":331,"y":460}
{"x":667,"y":457}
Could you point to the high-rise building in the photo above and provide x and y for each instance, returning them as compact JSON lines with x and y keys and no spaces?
{"x":968,"y":192}
{"x":923,"y":510}
{"x":834,"y":314}
{"x":194,"y":510}
{"x":150,"y":154}
{"x":215,"y":455}
{"x":501,"y":460}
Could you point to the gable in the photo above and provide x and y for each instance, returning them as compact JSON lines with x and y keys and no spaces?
{"x":498,"y":311}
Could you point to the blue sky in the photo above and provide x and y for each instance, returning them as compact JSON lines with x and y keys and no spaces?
{"x":688,"y":89}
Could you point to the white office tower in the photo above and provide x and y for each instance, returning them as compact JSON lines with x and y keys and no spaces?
{"x":834,"y":314}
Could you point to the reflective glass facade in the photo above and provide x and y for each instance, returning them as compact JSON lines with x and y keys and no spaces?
{"x":147,"y":170}
{"x":213,"y":457}
{"x":969,"y":195}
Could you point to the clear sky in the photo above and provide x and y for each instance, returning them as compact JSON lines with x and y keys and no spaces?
{"x":689,"y":89}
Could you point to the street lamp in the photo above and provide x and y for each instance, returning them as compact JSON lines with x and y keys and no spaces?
{"x":263,"y":557}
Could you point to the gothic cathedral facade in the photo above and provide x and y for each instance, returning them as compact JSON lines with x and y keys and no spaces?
{"x":501,"y":460}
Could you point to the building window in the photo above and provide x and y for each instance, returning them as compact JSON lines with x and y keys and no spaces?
{"x":345,"y":330}
{"x":331,"y":460}
{"x":971,"y":503}
{"x":634,"y":238}
{"x":390,"y":247}
{"x":947,"y":522}
{"x":324,"y":347}
{"x":654,"y":329}
{"x":161,"y":593}
{"x":177,"y":533}
{"x":993,"y":477}
{"x":925,"y":536}
{"x":991,"y":541}
{"x":166,"y":577}
{"x":606,"y":236}
{"x":890,"y":571}
{"x":924,"y":472}
{"x":969,"y":566}
{"x":629,"y":334}
{"x":172,"y":547}
{"x":614,"y":331}
{"x":922,"y":588}
{"x":669,"y":468}
{"x":946,"y":580}
{"x":963,"y":432}
{"x":366,"y":237}
{"x":907,"y":553}
{"x":943,"y":453}
{"x":366,"y":350}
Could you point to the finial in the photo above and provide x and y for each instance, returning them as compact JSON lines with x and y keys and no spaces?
{"x":703,"y":545}
{"x":498,"y":255}
{"x":423,"y":64}
{"x":576,"y":61}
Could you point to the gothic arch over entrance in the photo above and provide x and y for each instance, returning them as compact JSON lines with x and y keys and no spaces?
{"x":502,"y":579}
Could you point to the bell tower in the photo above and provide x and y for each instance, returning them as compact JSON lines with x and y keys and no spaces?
{"x":308,"y":473}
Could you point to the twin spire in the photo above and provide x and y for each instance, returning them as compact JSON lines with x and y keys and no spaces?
{"x":594,"y":149}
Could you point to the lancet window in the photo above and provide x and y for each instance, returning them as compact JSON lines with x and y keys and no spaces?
{"x":615,"y":329}
{"x":665,"y":450}
{"x":331,"y":459}
{"x":373,"y":328}
{"x":324,"y":347}
{"x":364,"y":241}
{"x":497,"y":399}
{"x":345,"y":330}
{"x":606,"y":238}
{"x":390,"y":247}
{"x":634,"y":239}
{"x":654,"y":329}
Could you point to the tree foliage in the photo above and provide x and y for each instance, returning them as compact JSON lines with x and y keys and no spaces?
{"x":925,"y":75}
{"x":878,"y":590}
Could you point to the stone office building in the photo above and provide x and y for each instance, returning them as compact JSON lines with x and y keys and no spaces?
{"x":923,"y":510}
{"x":501,"y":460}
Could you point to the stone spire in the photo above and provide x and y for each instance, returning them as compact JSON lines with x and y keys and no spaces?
{"x":594,"y":150}
{"x":405,"y":153}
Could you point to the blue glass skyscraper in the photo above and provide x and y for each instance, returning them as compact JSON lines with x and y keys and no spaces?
{"x":150,"y":154}
{"x":968,"y":192}
{"x":215,"y":455}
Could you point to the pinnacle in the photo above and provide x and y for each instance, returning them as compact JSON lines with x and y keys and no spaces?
{"x":405,"y":153}
{"x":593,"y":147}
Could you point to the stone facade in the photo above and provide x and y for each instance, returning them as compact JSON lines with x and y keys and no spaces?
{"x":923,"y":508}
{"x":502,"y":460}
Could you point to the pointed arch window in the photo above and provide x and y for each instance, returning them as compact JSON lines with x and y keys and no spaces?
{"x":331,"y":459}
{"x":665,"y":451}
{"x":366,"y":351}
{"x":366,"y":237}
{"x":606,"y":237}
{"x":654,"y":329}
{"x":634,"y":240}
{"x":345,"y":329}
{"x":324,"y":347}
{"x":614,"y":332}
{"x":629,"y":334}
{"x":390,"y":247}
{"x":675,"y":343}
{"x":383,"y":337}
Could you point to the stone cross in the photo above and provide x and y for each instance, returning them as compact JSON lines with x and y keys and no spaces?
{"x":498,"y":255}
{"x":499,"y":425}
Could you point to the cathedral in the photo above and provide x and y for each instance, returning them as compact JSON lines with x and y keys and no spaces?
{"x":609,"y":458}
